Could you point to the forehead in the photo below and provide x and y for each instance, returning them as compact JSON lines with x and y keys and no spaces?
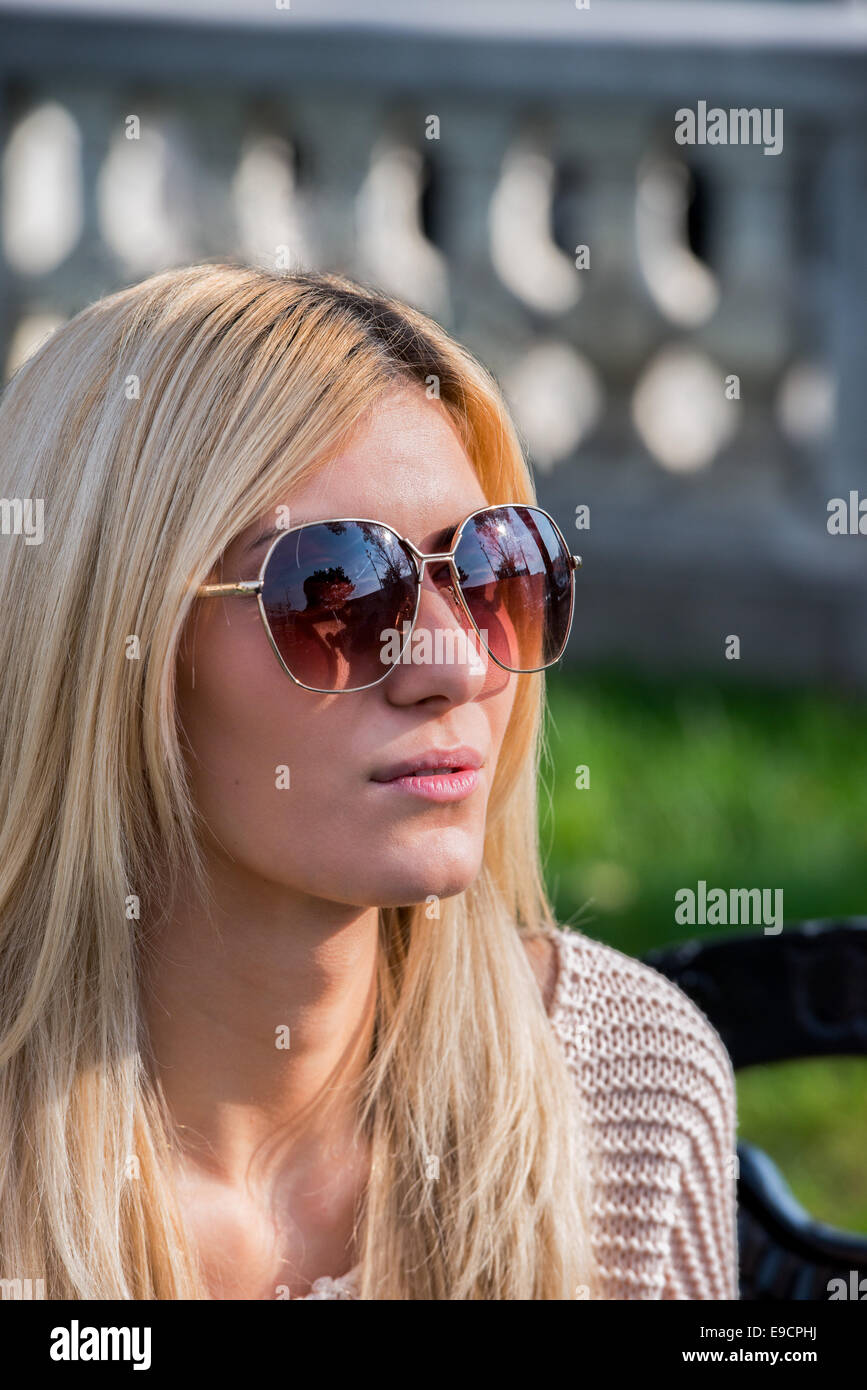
{"x":405,"y":465}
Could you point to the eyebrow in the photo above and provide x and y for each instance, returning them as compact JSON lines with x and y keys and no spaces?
{"x":443,"y":538}
{"x":261,"y":539}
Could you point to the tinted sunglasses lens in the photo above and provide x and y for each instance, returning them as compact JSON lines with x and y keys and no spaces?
{"x":516,"y":578}
{"x":332,"y":593}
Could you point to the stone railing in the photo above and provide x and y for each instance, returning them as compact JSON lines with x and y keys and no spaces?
{"x":679,"y":327}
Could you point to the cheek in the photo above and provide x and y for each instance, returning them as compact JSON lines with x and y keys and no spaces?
{"x":260,"y":752}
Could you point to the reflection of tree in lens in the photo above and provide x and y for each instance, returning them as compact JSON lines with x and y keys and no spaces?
{"x":358,"y":614}
{"x":390,"y":602}
{"x":327,"y":589}
{"x":511,"y":602}
{"x":502,"y":546}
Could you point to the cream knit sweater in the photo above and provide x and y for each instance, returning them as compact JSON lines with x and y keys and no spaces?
{"x":659,"y":1099}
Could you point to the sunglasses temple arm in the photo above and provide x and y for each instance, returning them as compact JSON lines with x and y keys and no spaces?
{"x":244,"y":586}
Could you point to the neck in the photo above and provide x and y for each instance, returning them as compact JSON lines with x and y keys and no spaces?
{"x":260,"y":1020}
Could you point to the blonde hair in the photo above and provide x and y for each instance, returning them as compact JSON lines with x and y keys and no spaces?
{"x":157,"y":424}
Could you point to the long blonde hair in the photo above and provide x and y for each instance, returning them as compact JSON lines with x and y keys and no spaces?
{"x":156,"y":424}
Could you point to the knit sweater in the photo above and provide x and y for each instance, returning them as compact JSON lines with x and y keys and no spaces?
{"x":657,"y":1092}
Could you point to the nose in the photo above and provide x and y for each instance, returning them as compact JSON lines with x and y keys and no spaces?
{"x":448,"y":587}
{"x":439,"y":579}
{"x":445,"y":655}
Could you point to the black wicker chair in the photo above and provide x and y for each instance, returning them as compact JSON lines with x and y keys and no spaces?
{"x":801,"y":993}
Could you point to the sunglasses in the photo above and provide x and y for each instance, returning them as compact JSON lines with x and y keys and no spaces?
{"x":335,"y":595}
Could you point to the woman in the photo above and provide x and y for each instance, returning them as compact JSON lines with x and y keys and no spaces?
{"x":283,"y":1009}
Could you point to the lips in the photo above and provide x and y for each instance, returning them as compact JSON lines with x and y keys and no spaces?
{"x":462,"y":759}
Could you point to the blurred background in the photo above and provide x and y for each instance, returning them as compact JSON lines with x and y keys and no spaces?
{"x":679,"y":330}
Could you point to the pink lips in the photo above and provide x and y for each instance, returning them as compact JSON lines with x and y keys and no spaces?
{"x":438,"y":774}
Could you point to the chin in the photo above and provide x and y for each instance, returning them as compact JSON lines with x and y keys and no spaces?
{"x":398,"y":871}
{"x":446,"y":883}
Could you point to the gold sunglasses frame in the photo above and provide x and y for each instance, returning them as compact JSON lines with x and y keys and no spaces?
{"x":254,"y":587}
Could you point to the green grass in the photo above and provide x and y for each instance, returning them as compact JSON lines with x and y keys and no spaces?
{"x":811,"y":1117}
{"x":742,"y":788}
